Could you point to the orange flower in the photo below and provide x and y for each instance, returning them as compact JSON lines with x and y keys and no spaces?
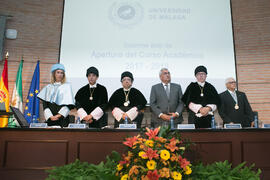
{"x":174,"y":157}
{"x":161,"y":139}
{"x":164,"y":172}
{"x":142,"y":146}
{"x":173,"y":140}
{"x":158,"y":145}
{"x":150,"y":153}
{"x":140,"y":140}
{"x":172,"y":147}
{"x":152,"y":133}
{"x":144,"y":178}
{"x":164,"y":162}
{"x":153,"y":175}
{"x":128,"y":157}
{"x":130,"y":141}
{"x":133,"y":170}
{"x":183,"y":162}
{"x":130,"y":154}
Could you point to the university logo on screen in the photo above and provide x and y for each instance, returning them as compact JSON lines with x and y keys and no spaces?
{"x":126,"y":14}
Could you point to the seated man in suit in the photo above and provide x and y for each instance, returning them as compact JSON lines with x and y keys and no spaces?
{"x":165,"y":100}
{"x":127,"y":102}
{"x":202,"y":99}
{"x":92,"y":100}
{"x":234,"y":106}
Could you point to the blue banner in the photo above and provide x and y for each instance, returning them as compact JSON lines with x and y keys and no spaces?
{"x":31,"y":110}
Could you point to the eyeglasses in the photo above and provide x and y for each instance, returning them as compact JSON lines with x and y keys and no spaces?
{"x":126,"y":79}
{"x":165,"y":73}
{"x":232,"y":82}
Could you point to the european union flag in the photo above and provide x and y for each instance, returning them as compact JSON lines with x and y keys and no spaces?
{"x":31,"y":110}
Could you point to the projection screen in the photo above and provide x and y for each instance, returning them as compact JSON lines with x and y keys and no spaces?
{"x":144,"y":36}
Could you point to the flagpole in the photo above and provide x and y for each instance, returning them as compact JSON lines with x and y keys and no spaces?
{"x":7,"y":55}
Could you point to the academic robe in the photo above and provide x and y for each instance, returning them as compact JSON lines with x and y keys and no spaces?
{"x":193,"y":94}
{"x":227,"y":111}
{"x":135,"y":98}
{"x":57,"y":98}
{"x":100,"y":101}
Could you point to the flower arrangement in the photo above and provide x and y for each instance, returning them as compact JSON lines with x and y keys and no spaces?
{"x":154,"y":155}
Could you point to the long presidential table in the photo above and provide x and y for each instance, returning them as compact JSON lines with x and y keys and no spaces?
{"x":27,"y":153}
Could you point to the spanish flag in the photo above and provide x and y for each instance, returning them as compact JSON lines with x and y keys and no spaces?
{"x":4,"y":97}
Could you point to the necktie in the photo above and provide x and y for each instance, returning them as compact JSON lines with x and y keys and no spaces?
{"x":167,"y":90}
{"x":234,"y":96}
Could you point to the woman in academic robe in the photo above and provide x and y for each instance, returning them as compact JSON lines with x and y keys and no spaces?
{"x":127,"y":102}
{"x":57,"y":98}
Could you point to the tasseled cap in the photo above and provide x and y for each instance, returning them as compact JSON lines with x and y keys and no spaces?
{"x":200,"y":69}
{"x":57,"y":67}
{"x":92,"y":70}
{"x":127,"y":74}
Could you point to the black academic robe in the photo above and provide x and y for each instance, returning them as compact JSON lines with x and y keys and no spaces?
{"x":135,"y":98}
{"x":100,"y":99}
{"x":55,"y":108}
{"x":192,"y":94}
{"x":227,"y":111}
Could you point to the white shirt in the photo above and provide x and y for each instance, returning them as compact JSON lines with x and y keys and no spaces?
{"x":93,"y":86}
{"x":201,"y":83}
{"x":169,"y":86}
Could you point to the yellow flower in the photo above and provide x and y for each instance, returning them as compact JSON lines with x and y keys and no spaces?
{"x":151,"y":165}
{"x":176,"y":175}
{"x":165,"y":155}
{"x":188,"y":170}
{"x":141,"y":154}
{"x":119,"y":167}
{"x":125,"y":177}
{"x":149,"y":143}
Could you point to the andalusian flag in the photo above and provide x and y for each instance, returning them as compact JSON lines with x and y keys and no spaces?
{"x":17,"y":98}
{"x":4,"y":97}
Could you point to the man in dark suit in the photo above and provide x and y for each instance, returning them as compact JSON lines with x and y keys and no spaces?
{"x":165,"y":100}
{"x":235,"y":107}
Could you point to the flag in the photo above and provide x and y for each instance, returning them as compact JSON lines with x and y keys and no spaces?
{"x":4,"y":96}
{"x":32,"y":102}
{"x":17,"y":98}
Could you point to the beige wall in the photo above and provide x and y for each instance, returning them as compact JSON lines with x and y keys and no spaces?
{"x":38,"y":23}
